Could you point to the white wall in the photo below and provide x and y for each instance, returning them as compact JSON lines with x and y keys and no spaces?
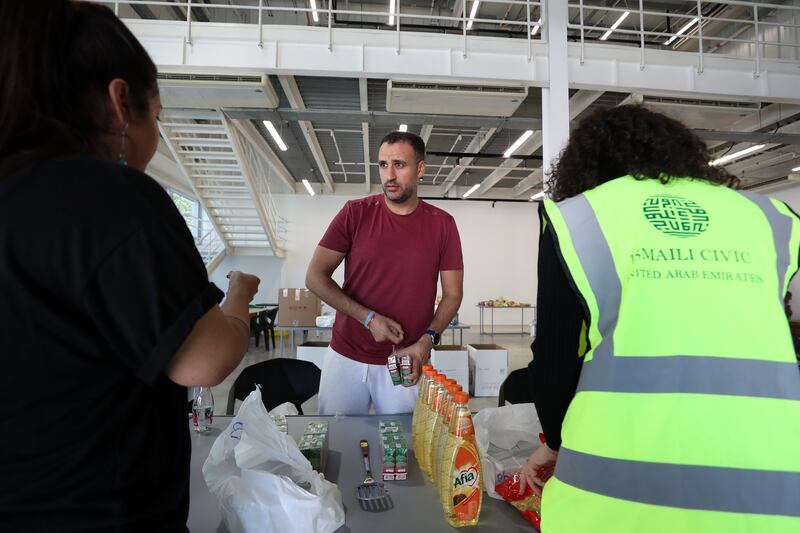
{"x":499,"y":245}
{"x":268,"y":269}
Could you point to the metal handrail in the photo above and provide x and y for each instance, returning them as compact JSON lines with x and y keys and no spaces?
{"x":757,"y":43}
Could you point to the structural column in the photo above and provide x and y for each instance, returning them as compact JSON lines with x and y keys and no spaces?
{"x":555,"y":97}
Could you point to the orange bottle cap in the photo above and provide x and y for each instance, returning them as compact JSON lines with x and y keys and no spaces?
{"x":449,"y":382}
{"x":439,"y":378}
{"x":453,"y":388}
{"x":428,"y":371}
{"x":461,"y":397}
{"x":426,"y":367}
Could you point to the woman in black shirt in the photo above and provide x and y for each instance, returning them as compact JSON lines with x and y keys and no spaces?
{"x":106,"y":311}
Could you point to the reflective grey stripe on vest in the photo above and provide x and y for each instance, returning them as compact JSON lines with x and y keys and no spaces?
{"x":734,"y":490}
{"x":598,"y":265}
{"x":676,"y":374}
{"x":697,"y":375}
{"x":782,"y":232}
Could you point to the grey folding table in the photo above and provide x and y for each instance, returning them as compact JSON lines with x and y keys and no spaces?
{"x":415,"y":502}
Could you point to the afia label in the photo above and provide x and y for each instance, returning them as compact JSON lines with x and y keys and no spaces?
{"x":466,"y":484}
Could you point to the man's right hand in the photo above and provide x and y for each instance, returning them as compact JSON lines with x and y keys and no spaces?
{"x":385,"y":329}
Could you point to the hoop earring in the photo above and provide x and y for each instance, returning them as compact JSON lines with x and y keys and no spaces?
{"x":121,"y":159}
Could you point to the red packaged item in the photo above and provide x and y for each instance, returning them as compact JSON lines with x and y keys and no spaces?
{"x":528,"y":503}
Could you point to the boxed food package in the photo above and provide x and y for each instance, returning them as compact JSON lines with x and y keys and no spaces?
{"x":280,"y":421}
{"x":298,"y":307}
{"x":488,"y":367}
{"x":452,"y":360}
{"x":394,"y":451}
{"x":314,"y":444}
{"x":313,"y":351}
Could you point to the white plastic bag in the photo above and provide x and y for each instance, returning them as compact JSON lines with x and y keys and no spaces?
{"x":506,"y":436}
{"x":263,"y":483}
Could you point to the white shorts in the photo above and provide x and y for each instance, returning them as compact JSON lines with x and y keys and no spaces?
{"x":348,"y":387}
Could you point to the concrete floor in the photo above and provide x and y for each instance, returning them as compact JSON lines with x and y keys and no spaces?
{"x":518,"y":346}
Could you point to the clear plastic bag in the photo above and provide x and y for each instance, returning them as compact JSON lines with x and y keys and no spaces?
{"x":506,"y":436}
{"x":263,"y":483}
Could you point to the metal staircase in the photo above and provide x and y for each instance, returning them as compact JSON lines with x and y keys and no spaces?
{"x":228,"y":180}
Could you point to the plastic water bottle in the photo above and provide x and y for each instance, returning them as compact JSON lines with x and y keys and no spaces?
{"x":202,"y":409}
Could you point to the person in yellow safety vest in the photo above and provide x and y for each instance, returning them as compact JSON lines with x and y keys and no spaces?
{"x":683,"y":409}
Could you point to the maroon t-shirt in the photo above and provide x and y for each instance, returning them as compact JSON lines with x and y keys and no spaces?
{"x":392,"y":266}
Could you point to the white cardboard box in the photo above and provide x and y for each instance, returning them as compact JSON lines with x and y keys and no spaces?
{"x":313,"y":351}
{"x":488,"y":368}
{"x":451,"y":360}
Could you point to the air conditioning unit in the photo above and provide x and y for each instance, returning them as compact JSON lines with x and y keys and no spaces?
{"x":453,"y":99}
{"x":211,"y":90}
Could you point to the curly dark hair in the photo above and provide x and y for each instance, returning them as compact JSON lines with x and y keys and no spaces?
{"x":631,"y":140}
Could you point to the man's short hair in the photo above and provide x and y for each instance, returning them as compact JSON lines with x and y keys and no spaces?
{"x":413,"y":139}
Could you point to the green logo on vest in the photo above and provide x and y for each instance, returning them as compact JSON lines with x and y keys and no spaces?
{"x":675,"y":216}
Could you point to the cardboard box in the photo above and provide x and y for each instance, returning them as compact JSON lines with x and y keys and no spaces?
{"x":488,"y":367}
{"x":313,"y":351}
{"x":298,"y":307}
{"x":452,"y":360}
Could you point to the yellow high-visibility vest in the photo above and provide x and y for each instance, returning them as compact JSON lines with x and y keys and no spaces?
{"x":687,"y":413}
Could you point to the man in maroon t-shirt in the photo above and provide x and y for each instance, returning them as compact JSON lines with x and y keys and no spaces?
{"x":395,"y":248}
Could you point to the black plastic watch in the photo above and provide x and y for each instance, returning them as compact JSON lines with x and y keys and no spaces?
{"x":435,"y":337}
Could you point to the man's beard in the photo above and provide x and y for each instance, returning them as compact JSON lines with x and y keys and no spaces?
{"x":404,"y":194}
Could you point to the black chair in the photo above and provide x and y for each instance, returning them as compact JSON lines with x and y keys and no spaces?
{"x":281,"y":380}
{"x":265,"y":324}
{"x":516,"y":388}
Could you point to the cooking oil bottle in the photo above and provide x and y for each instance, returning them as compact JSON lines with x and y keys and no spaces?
{"x":464,"y":494}
{"x":438,"y":424}
{"x":430,"y":445}
{"x":441,"y":444}
{"x":427,"y":373}
{"x":426,"y":424}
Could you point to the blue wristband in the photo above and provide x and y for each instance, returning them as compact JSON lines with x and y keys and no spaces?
{"x":369,"y":317}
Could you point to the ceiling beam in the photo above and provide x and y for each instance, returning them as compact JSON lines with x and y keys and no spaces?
{"x":383,"y":118}
{"x":263,"y":148}
{"x":577,"y":104}
{"x":292,"y":92}
{"x":475,"y":145}
{"x":761,"y":119}
{"x":362,"y":91}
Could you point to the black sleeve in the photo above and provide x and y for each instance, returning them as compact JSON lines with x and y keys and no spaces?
{"x":556,"y":366}
{"x":147,"y":294}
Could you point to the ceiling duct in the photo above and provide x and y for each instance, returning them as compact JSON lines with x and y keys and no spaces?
{"x":453,"y":99}
{"x":205,"y":90}
{"x":707,"y":114}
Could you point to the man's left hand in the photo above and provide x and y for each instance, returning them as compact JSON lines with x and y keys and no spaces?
{"x":420,"y":352}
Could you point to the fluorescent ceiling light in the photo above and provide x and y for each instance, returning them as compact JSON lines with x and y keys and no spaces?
{"x":517,"y":143}
{"x":538,"y":195}
{"x":615,"y":25}
{"x":473,"y":13}
{"x":682,"y":30}
{"x":736,"y":155}
{"x":796,"y":169}
{"x":403,"y":127}
{"x":275,"y":136}
{"x":314,"y":10}
{"x":535,"y":29}
{"x":391,"y":12}
{"x":472,"y":190}
{"x":308,"y":187}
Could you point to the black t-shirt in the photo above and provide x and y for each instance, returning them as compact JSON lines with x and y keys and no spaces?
{"x":556,"y":367}
{"x":100,"y":283}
